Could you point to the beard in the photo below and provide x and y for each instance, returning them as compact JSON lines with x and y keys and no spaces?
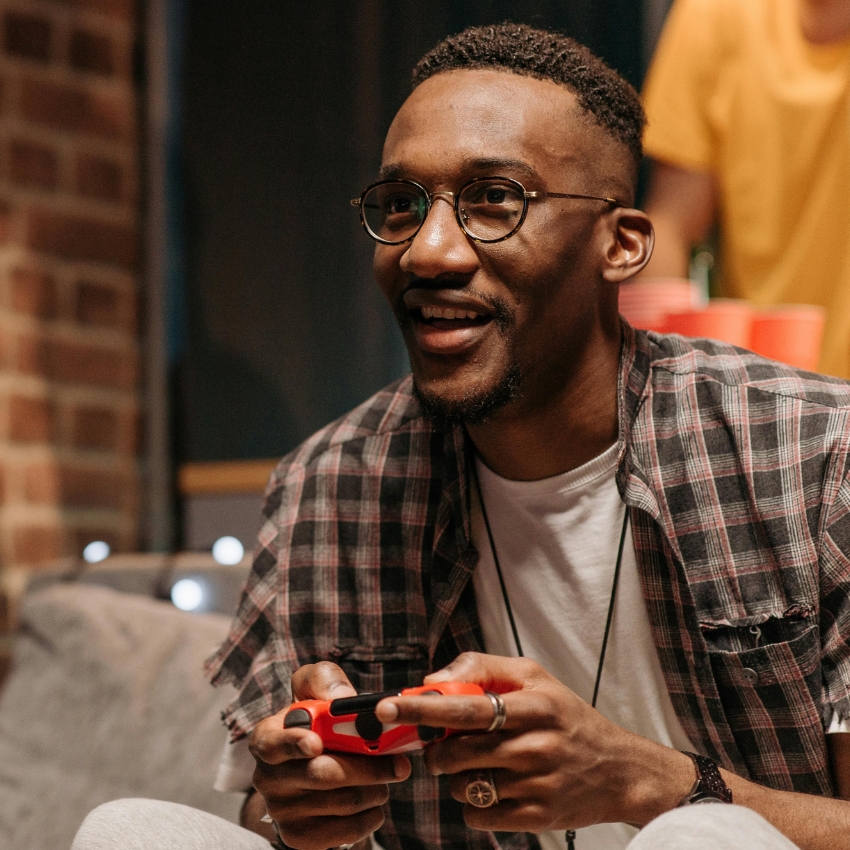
{"x":474,"y":407}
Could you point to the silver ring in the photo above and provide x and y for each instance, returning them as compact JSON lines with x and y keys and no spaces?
{"x":481,"y":790}
{"x":499,"y":713}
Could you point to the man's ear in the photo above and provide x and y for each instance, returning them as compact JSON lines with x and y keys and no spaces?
{"x":629,"y":247}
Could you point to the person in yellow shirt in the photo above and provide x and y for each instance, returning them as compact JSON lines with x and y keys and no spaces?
{"x":748,"y":104}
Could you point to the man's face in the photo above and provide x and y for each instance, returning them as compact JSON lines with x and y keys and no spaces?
{"x":505,"y":325}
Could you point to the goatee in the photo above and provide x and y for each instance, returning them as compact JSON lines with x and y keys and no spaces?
{"x":473,"y":408}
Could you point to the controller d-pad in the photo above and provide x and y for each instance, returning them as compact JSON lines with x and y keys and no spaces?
{"x":368,"y":727}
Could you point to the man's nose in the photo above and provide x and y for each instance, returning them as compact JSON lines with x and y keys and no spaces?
{"x":440,"y":246}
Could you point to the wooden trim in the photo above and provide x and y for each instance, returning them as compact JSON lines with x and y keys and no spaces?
{"x":238,"y":476}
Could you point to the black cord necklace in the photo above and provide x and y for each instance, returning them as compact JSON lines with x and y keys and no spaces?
{"x":571,"y":833}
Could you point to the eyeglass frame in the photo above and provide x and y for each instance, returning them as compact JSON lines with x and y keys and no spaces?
{"x":455,"y":196}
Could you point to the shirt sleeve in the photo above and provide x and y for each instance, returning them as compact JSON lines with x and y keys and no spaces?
{"x":258,"y":656}
{"x":681,"y":84}
{"x":838,"y":724}
{"x":835,"y":609}
{"x":236,"y":768}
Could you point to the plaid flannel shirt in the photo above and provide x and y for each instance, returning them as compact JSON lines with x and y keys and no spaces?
{"x":735,"y":472}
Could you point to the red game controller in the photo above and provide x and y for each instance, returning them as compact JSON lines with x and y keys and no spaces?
{"x":349,"y":725}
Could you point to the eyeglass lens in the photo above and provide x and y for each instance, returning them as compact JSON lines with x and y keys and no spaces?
{"x":489,"y":210}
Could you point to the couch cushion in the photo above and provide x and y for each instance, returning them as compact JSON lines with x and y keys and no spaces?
{"x":106,"y":699}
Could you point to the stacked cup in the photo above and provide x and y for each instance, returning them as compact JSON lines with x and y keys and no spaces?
{"x":790,"y":333}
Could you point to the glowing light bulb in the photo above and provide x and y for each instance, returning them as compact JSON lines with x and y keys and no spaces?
{"x":227,"y":550}
{"x":187,"y":594}
{"x":96,"y":551}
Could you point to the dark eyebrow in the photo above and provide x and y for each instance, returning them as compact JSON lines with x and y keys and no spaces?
{"x":394,"y":171}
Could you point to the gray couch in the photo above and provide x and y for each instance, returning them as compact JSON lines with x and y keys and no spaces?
{"x":107,"y":699}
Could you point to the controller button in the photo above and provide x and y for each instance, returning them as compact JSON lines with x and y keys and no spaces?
{"x":430,"y":733}
{"x":368,"y":726}
{"x":298,"y":718}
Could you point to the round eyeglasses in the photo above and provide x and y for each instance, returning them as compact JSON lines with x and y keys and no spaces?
{"x":488,"y":209}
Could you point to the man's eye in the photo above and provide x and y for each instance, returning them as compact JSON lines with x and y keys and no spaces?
{"x":399,"y":205}
{"x":496,"y":196}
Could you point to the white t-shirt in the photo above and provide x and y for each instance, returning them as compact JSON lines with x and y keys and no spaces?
{"x":557,"y":542}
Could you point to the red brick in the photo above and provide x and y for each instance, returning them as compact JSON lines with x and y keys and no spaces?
{"x":32,"y":292}
{"x":132,"y":432}
{"x":33,"y":544}
{"x":97,"y":304}
{"x":91,"y":52}
{"x":79,"y":363}
{"x":74,"y":109}
{"x":91,"y":488}
{"x":124,"y":9}
{"x":30,"y":420}
{"x":27,"y":36}
{"x":76,"y":237}
{"x":99,"y":178}
{"x":74,"y":362}
{"x":95,"y":428}
{"x":41,"y":485}
{"x":31,"y":164}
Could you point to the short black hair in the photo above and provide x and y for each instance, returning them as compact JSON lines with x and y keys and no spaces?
{"x":520,"y":49}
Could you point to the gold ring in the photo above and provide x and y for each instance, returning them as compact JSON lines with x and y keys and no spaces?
{"x":499,"y":713}
{"x":481,"y":790}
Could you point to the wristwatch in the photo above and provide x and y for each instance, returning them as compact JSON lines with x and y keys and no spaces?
{"x":709,"y":786}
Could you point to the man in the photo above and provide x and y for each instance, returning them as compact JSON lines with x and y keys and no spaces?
{"x":663,"y":526}
{"x":748,"y":104}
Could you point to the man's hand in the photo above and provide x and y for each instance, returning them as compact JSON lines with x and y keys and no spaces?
{"x":557,"y":763}
{"x":320,"y":800}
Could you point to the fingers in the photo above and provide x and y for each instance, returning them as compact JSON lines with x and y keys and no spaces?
{"x":493,"y":672}
{"x":524,"y":805}
{"x":319,"y":833}
{"x":324,"y":680}
{"x":342,"y":802}
{"x":463,"y":712}
{"x":328,"y":772}
{"x":529,"y":709}
{"x":300,"y":794}
{"x":272,"y":744}
{"x":508,"y":816}
{"x":531,"y":751}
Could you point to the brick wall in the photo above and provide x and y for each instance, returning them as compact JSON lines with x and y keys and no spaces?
{"x":69,"y":301}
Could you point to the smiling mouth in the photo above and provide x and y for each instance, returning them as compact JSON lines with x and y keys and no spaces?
{"x":449,"y":317}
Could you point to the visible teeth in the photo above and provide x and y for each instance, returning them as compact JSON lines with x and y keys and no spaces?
{"x":447,"y":313}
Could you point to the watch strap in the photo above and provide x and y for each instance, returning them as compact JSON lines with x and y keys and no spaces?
{"x":708,"y":786}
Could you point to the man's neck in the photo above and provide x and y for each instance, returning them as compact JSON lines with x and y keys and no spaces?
{"x":825,"y":21}
{"x":528,"y":443}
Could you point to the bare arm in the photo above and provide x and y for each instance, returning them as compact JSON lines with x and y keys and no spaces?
{"x":682,"y":205}
{"x":839,"y":756}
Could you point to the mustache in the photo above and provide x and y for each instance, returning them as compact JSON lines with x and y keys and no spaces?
{"x":503,"y":316}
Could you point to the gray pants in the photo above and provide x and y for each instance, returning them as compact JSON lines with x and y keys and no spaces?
{"x":155,"y":825}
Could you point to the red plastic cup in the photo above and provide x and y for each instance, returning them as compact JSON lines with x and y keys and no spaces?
{"x":644,"y":303}
{"x":791,"y":334}
{"x":724,"y":319}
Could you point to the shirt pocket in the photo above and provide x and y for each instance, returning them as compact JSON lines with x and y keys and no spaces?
{"x":768,"y":676}
{"x":384,"y":667}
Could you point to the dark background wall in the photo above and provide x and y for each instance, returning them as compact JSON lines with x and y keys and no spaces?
{"x":277,"y":327}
